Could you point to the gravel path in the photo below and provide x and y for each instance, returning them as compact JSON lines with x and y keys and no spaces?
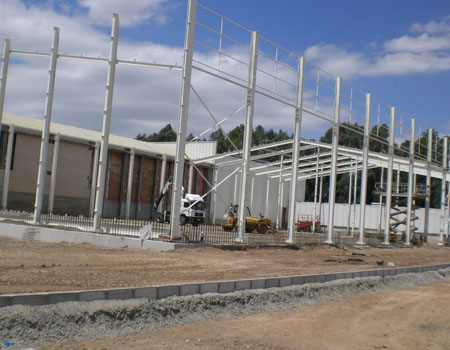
{"x":66,"y":322}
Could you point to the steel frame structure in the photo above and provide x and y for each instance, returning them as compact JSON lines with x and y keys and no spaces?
{"x":326,"y":160}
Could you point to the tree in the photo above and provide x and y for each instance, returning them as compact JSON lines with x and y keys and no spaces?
{"x":166,"y":134}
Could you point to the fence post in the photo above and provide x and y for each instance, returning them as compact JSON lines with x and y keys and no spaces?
{"x":42,"y":169}
{"x":334,"y":156}
{"x":410,"y":182}
{"x":248,"y":129}
{"x":101,"y":178}
{"x":183,"y":119}
{"x":364,"y":174}
{"x":295,"y":150}
{"x":387,"y":224}
{"x":8,"y":167}
{"x":51,"y":199}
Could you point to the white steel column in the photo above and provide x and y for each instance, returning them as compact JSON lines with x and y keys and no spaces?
{"x":350,"y":184}
{"x":387,"y":224}
{"x":42,"y":170}
{"x":355,"y":191}
{"x":4,"y":77}
{"x":214,"y":195}
{"x":94,"y":179}
{"x":51,"y":198}
{"x":364,"y":174}
{"x":162,"y":179}
{"x":183,"y":119}
{"x":334,"y":155}
{"x":443,"y":189}
{"x":236,"y":185}
{"x":101,"y":178}
{"x":380,"y":205}
{"x":280,"y":191}
{"x":411,"y":185}
{"x":266,"y":209}
{"x":251,"y":193}
{"x":315,"y":190}
{"x":130,"y":182}
{"x":7,"y":167}
{"x":248,"y":129}
{"x":428,"y":185}
{"x":191,"y":176}
{"x":295,"y":150}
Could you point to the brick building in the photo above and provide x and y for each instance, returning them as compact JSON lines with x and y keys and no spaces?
{"x":74,"y":182}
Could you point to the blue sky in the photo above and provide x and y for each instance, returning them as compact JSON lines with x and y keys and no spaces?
{"x":397,"y":50}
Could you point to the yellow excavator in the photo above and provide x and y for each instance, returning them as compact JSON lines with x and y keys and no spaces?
{"x":260,"y":223}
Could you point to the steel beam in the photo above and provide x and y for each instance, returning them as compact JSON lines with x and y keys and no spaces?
{"x":266,"y":208}
{"x":252,"y":188}
{"x":102,"y":169}
{"x":334,"y":155}
{"x":42,"y":169}
{"x":280,"y":194}
{"x":130,"y":182}
{"x":214,"y":195}
{"x":411,"y":186}
{"x":315,"y":189}
{"x":443,"y":189}
{"x":387,"y":224}
{"x":248,"y":129}
{"x":355,"y":191}
{"x":350,"y":184}
{"x":183,"y":119}
{"x":51,"y":198}
{"x":295,"y":151}
{"x":7,"y":174}
{"x":162,"y":179}
{"x":380,"y":204}
{"x":191,"y":176}
{"x":364,"y":174}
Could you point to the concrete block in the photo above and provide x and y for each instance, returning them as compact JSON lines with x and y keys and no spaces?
{"x":90,"y":295}
{"x":320,"y":278}
{"x":30,"y":299}
{"x":146,"y":292}
{"x":167,"y":291}
{"x":348,"y":275}
{"x":242,"y":285}
{"x":340,"y":275}
{"x":122,"y":293}
{"x":329,"y":277}
{"x":298,"y":280}
{"x":226,"y":287}
{"x":61,"y":297}
{"x":259,"y":284}
{"x":189,"y":289}
{"x":357,"y":274}
{"x":310,"y":279}
{"x":209,"y":288}
{"x":364,"y":273}
{"x":272,"y":282}
{"x":372,"y":273}
{"x":285,"y":281}
{"x":381,"y":272}
{"x":5,"y":300}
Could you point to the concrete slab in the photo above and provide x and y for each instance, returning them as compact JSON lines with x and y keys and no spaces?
{"x":226,"y":287}
{"x":189,"y":289}
{"x":285,"y":281}
{"x":121,"y":293}
{"x":209,"y":288}
{"x":298,"y":280}
{"x":259,"y":283}
{"x":30,"y":299}
{"x":91,"y":295}
{"x":146,"y":292}
{"x":5,"y":300}
{"x":272,"y":282}
{"x":61,"y":297}
{"x":168,"y":291}
{"x":242,"y":285}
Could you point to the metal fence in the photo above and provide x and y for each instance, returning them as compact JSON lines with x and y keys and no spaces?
{"x":203,"y":233}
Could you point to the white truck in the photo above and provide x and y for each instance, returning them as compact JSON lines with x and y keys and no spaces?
{"x":192,"y":209}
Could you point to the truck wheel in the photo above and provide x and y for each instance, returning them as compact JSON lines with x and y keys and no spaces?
{"x":182,"y":220}
{"x":159,"y":217}
{"x":262,"y":228}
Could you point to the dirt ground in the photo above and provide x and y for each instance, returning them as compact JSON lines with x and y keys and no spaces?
{"x":35,"y":266}
{"x":413,"y":318}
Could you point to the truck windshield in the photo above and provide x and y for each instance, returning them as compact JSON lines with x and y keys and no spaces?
{"x":198,"y":206}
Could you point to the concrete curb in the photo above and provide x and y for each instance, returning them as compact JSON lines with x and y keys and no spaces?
{"x":161,"y":292}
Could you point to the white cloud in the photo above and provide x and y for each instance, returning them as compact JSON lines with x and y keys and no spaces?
{"x":132,"y":12}
{"x":421,"y":43}
{"x":432,"y":27}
